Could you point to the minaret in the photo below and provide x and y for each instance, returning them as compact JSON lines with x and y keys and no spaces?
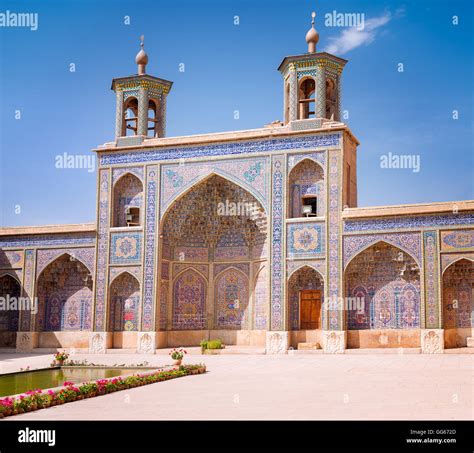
{"x":312,"y":85}
{"x":141,"y":104}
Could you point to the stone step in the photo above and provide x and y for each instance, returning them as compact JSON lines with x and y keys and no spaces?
{"x":121,"y":351}
{"x":304,"y":351}
{"x":459,"y":351}
{"x":384,"y":351}
{"x":228,"y":350}
{"x":470,"y":342}
{"x":308,"y":346}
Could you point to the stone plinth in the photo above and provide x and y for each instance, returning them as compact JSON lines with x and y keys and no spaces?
{"x":334,"y":341}
{"x":146,"y":342}
{"x":26,"y":341}
{"x":432,"y":341}
{"x":277,"y":342}
{"x":99,"y":342}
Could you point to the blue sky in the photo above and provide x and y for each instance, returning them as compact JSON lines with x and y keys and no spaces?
{"x":232,"y":67}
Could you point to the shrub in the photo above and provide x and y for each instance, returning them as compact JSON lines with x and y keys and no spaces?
{"x":211,"y":344}
{"x":61,"y":356}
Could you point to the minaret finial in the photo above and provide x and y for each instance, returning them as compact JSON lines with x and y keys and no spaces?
{"x":142,"y":58}
{"x":312,"y":37}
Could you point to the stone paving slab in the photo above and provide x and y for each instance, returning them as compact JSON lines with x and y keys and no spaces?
{"x":287,"y":387}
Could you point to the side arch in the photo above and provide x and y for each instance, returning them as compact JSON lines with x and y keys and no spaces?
{"x":382,"y":289}
{"x":460,"y":258}
{"x":10,"y":288}
{"x":64,"y":290}
{"x":60,"y":254}
{"x":11,"y":273}
{"x":376,"y":241}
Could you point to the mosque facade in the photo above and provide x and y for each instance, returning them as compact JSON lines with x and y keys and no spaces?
{"x":253,"y":237}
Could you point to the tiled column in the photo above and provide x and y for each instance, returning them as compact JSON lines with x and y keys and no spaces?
{"x":432,"y":336}
{"x":277,"y":341}
{"x":320,"y":94}
{"x":142,"y":128}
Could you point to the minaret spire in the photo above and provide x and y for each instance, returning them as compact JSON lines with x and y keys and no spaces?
{"x":142,"y":58}
{"x":312,"y":37}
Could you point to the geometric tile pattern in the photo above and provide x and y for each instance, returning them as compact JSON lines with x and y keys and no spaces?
{"x":277,"y":309}
{"x":431,"y":272}
{"x":455,"y":240}
{"x":102,"y":248}
{"x":410,"y":222}
{"x":125,"y":248}
{"x":305,"y":239}
{"x":221,"y":149}
{"x":150,"y":233}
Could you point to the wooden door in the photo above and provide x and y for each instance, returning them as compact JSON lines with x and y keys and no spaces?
{"x":310,"y":309}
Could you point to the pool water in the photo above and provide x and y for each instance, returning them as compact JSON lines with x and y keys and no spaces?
{"x":15,"y":383}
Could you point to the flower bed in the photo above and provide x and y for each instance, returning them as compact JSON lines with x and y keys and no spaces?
{"x":39,"y":399}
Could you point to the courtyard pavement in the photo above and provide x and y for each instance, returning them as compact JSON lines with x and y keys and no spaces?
{"x":286,"y":387}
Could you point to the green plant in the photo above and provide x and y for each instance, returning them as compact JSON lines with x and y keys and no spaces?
{"x":211,"y":344}
{"x":61,"y":356}
{"x":89,"y":389}
{"x":177,"y":354}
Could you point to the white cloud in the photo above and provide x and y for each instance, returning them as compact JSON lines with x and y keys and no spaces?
{"x":353,"y":37}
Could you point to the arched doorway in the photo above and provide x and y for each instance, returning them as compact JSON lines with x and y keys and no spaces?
{"x":64,"y":291}
{"x":382,"y":288}
{"x":124,"y":306}
{"x":10,"y":290}
{"x":212,"y":238}
{"x":458,"y":303}
{"x":305,"y":306}
{"x":305,"y":298}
